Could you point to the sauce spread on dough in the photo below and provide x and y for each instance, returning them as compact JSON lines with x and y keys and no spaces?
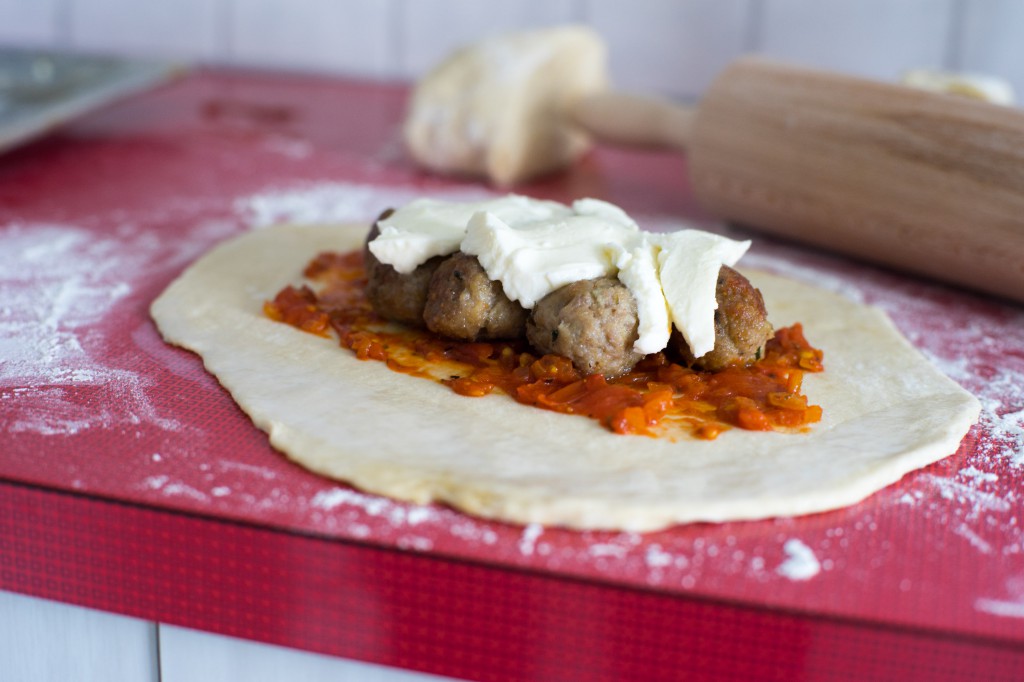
{"x":658,"y":397}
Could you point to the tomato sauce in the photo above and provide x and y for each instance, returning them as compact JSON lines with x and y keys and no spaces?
{"x":657,"y":398}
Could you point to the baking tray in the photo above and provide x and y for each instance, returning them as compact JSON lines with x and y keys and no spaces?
{"x":40,"y":90}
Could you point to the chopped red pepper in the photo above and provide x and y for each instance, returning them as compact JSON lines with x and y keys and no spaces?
{"x":764,"y":396}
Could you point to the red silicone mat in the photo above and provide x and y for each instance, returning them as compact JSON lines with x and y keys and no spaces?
{"x":109,"y":434}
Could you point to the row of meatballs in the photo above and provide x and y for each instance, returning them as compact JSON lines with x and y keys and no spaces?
{"x":591,"y":322}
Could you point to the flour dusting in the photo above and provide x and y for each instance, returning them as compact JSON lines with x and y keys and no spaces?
{"x":801,"y":563}
{"x":171,"y":488}
{"x":1001,"y":607}
{"x":1010,"y":606}
{"x":655,"y":557}
{"x":335,"y":203}
{"x":57,"y":375}
{"x":528,"y":540}
{"x":345,"y":508}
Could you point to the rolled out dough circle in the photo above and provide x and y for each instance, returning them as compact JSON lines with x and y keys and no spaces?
{"x":887,"y":411}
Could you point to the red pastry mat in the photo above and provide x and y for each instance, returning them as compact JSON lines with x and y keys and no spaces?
{"x":97,"y":220}
{"x":439,"y":615}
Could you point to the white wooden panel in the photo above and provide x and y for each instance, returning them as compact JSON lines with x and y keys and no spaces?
{"x":45,"y":641}
{"x":343,"y":36}
{"x":670,"y":47}
{"x":185,"y":28}
{"x":28,"y":22}
{"x":992,"y":40}
{"x":192,"y":656}
{"x":430,"y":29}
{"x":875,"y":38}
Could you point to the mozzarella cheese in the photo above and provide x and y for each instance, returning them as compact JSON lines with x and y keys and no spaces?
{"x":425,"y":228}
{"x":534,"y":247}
{"x":638,"y":270}
{"x":688,"y":266}
{"x":532,"y":258}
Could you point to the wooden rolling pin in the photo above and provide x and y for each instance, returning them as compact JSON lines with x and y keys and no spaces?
{"x":922,"y":181}
{"x":916,"y":180}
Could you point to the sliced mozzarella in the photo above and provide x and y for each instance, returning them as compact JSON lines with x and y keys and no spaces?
{"x":426,"y":228}
{"x":638,"y":270}
{"x":534,"y":247}
{"x":533,"y":259}
{"x":688,"y":266}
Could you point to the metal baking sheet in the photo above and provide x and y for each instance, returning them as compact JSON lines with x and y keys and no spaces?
{"x":40,"y":90}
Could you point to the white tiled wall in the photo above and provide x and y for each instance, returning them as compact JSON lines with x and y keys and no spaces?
{"x":181,"y":27}
{"x":667,"y":46}
{"x":323,"y":35}
{"x":992,"y":39}
{"x":29,"y":22}
{"x":428,"y":29}
{"x":877,"y":38}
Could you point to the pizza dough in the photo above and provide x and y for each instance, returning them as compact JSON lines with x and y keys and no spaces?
{"x":887,"y":411}
{"x":498,"y":108}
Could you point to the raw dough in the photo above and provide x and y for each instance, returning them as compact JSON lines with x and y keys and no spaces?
{"x":887,"y":411}
{"x":498,"y":108}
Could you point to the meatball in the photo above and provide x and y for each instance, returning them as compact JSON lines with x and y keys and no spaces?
{"x":395,"y":296}
{"x":591,"y":322}
{"x":741,"y":325}
{"x":462,"y":303}
{"x":368,"y":257}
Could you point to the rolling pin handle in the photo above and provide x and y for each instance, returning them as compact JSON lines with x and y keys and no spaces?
{"x":634,"y":120}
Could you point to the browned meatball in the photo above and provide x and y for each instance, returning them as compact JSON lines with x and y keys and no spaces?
{"x":741,"y":325}
{"x":462,"y":303}
{"x":393,"y":295}
{"x":592,"y":322}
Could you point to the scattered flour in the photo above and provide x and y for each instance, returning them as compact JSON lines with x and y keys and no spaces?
{"x":470,"y":530}
{"x":603,"y":549}
{"x":184,"y":490}
{"x":60,"y":372}
{"x":1010,"y":607}
{"x":800,"y":564}
{"x":980,"y":476}
{"x":656,"y":557}
{"x":266,"y":473}
{"x":334,"y":203}
{"x":399,"y":516}
{"x":155,"y":482}
{"x":372,"y":505}
{"x":969,"y":494}
{"x":528,"y":540}
{"x":1001,"y":607}
{"x":964,"y":531}
{"x":418,"y":543}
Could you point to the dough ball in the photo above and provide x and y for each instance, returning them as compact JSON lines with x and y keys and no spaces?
{"x":498,"y":109}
